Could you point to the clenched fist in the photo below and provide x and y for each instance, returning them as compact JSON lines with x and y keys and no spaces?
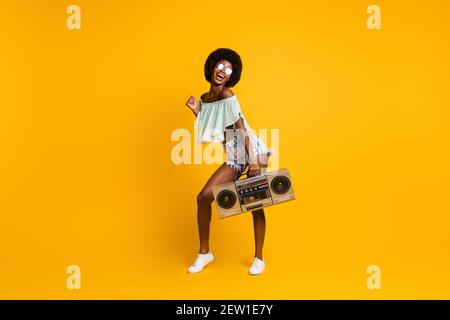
{"x":192,"y":103}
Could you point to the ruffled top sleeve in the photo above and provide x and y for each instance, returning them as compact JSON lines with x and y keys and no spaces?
{"x":214,"y":117}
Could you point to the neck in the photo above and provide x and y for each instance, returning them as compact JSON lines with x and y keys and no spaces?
{"x":215,"y":90}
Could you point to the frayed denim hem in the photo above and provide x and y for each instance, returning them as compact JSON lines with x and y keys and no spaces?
{"x":236,"y":166}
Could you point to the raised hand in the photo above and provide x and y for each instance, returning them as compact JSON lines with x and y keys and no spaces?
{"x":192,"y":103}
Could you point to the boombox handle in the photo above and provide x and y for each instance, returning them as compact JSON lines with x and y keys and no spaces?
{"x":242,"y":174}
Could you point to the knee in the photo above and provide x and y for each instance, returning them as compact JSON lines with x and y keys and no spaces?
{"x":204,"y":198}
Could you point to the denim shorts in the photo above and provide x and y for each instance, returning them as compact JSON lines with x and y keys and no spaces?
{"x":236,"y":153}
{"x":240,"y":161}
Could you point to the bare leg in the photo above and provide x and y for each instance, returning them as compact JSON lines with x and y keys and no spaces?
{"x":204,"y":199}
{"x":259,"y":226}
{"x":259,"y":219}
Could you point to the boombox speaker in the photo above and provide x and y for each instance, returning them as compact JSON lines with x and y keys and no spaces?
{"x":252,"y":193}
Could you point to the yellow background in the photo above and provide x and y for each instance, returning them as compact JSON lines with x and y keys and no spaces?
{"x":87,"y":179}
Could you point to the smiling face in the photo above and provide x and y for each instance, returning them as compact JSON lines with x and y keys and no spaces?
{"x":222,"y":72}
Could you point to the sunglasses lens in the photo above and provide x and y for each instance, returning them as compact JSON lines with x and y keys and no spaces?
{"x":228,"y":71}
{"x":220,"y":66}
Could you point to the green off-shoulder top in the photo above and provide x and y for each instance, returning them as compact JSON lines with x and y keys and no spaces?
{"x":214,"y":117}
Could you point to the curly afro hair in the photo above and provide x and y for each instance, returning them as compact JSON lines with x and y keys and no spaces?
{"x":224,"y":54}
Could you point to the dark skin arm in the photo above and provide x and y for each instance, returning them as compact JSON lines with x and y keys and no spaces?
{"x":253,"y":167}
{"x":193,"y":104}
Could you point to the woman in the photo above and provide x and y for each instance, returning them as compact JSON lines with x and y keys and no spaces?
{"x":217,"y":112}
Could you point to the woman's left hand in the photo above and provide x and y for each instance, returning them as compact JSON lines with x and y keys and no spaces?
{"x":253,"y":170}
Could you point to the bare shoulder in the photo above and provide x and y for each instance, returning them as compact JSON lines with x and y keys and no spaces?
{"x":226,"y":93}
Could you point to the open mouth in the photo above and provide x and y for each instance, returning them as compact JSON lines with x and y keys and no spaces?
{"x":220,"y":76}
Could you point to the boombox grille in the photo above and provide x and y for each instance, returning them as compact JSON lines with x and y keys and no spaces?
{"x":226,"y":199}
{"x":280,"y":184}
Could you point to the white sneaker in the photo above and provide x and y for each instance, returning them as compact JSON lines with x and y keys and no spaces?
{"x":257,"y":266}
{"x":202,"y":260}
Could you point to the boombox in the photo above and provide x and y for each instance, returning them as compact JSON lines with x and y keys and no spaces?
{"x":253,"y":193}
